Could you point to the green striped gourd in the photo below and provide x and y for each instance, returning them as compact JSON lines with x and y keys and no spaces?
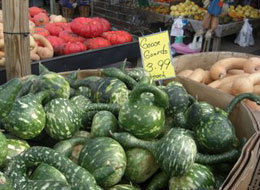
{"x":72,"y":77}
{"x":141,"y":119}
{"x":104,"y":90}
{"x":64,"y":118}
{"x":136,"y":73}
{"x":100,"y":153}
{"x":102,"y":123}
{"x":216,"y":134}
{"x":3,"y":148}
{"x":14,"y":148}
{"x":8,"y":93}
{"x":140,"y":165}
{"x":78,"y":178}
{"x":197,"y":112}
{"x":28,"y":86}
{"x":197,"y":177}
{"x":159,"y":181}
{"x":50,"y":173}
{"x":5,"y":182}
{"x":123,"y":187}
{"x":175,"y":152}
{"x":27,"y":117}
{"x":117,"y":73}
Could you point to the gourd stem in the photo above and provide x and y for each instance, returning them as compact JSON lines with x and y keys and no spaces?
{"x":160,"y":97}
{"x":241,"y":97}
{"x":217,"y":158}
{"x":129,"y":141}
{"x":117,"y":73}
{"x":43,"y":70}
{"x":114,"y":108}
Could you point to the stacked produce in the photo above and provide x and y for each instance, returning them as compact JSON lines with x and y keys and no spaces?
{"x":119,"y":131}
{"x":158,"y":9}
{"x":52,"y":35}
{"x":241,"y":12}
{"x":188,"y":9}
{"x":231,"y":75}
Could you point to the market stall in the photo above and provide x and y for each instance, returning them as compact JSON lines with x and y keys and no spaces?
{"x":63,"y":127}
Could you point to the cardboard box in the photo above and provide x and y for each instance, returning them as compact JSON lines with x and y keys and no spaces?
{"x":245,"y":124}
{"x":205,"y":61}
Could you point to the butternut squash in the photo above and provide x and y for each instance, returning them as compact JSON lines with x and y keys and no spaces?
{"x":47,"y":50}
{"x":235,"y":72}
{"x":245,"y":84}
{"x":2,"y":58}
{"x":226,"y":87}
{"x":220,"y":68}
{"x":197,"y":75}
{"x":217,"y":83}
{"x":257,"y":89}
{"x":185,"y":73}
{"x":207,"y":78}
{"x":252,"y":105}
{"x":253,"y":65}
{"x":33,"y":50}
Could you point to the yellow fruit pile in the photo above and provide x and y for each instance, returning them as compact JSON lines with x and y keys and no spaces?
{"x":158,"y":9}
{"x":188,"y":9}
{"x":241,"y":12}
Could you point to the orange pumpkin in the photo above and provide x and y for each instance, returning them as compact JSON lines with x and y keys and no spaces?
{"x":41,"y":19}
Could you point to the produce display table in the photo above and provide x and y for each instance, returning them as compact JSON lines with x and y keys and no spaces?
{"x":91,"y":59}
{"x":223,"y":30}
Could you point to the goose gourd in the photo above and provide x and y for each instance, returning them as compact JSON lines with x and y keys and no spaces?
{"x":78,"y":178}
{"x":70,"y":117}
{"x":140,"y":165}
{"x":159,"y":181}
{"x":176,"y":152}
{"x":143,"y":120}
{"x":3,"y":147}
{"x":216,"y":134}
{"x":27,"y":117}
{"x":8,"y":94}
{"x":198,"y":176}
{"x":102,"y":123}
{"x":100,"y":153}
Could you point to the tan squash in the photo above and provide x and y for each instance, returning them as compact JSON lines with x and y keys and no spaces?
{"x":2,"y":58}
{"x":217,"y":83}
{"x":2,"y":44}
{"x":207,"y":78}
{"x":220,"y":68}
{"x":185,"y":73}
{"x":31,"y":25}
{"x":253,"y":65}
{"x":257,"y":89}
{"x":33,"y":50}
{"x":197,"y":75}
{"x":57,"y":18}
{"x":245,"y":84}
{"x":226,"y":87}
{"x":235,"y":72}
{"x":47,"y":50}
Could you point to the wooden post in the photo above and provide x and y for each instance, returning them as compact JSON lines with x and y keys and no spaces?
{"x":16,"y":38}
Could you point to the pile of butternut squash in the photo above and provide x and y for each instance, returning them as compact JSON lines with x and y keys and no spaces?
{"x":230,"y":75}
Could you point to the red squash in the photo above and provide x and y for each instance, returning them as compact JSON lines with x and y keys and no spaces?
{"x":41,"y":19}
{"x":76,"y":47}
{"x":65,"y":26}
{"x":53,"y":29}
{"x":35,"y":10}
{"x":104,"y":22}
{"x":97,"y":43}
{"x":118,"y":37}
{"x":41,"y":31}
{"x":87,"y":27}
{"x":57,"y":44}
{"x":71,"y":37}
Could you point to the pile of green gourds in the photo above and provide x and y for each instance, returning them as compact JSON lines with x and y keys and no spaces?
{"x":121,"y":131}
